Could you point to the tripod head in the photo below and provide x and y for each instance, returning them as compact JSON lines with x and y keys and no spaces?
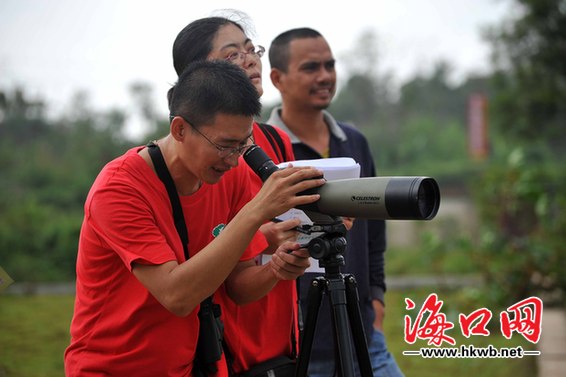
{"x":330,"y":242}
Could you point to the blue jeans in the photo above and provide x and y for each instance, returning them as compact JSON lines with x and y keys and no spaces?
{"x":383,"y":363}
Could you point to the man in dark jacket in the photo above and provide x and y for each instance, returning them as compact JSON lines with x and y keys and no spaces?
{"x":302,"y":69}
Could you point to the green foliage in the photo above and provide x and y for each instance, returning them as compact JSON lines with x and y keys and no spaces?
{"x":423,"y":132}
{"x":530,"y":51}
{"x":359,"y":103}
{"x":423,"y":146}
{"x":522,"y":250}
{"x":520,"y":199}
{"x":522,"y":191}
{"x":37,"y":242}
{"x":445,"y":251}
{"x":432,"y":95}
{"x":47,"y":169}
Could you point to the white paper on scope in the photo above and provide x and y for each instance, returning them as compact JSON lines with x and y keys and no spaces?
{"x":332,"y":168}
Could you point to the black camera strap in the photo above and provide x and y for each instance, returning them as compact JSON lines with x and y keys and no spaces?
{"x":163,"y":173}
{"x":165,"y":176}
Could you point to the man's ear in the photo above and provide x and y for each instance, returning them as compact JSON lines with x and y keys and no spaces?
{"x":275,"y":75}
{"x":178,"y":129}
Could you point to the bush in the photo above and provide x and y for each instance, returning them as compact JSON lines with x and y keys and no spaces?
{"x":522,"y":245}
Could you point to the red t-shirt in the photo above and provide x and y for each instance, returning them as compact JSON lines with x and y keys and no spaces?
{"x":263,"y":329}
{"x":118,"y":327}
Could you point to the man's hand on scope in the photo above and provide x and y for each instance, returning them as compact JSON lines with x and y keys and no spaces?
{"x":277,"y":232}
{"x":278,"y":193}
{"x":289,"y":261}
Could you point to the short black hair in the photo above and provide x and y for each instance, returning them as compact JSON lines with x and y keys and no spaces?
{"x":208,"y":88}
{"x":279,"y":49}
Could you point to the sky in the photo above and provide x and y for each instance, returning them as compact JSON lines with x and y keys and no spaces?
{"x":55,"y":48}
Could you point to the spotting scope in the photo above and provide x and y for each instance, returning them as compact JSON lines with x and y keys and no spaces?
{"x":378,"y":198}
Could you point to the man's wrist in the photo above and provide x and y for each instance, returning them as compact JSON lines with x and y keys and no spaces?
{"x":378,"y":293}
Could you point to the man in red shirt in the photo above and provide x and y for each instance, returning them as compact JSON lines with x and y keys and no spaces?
{"x":137,"y":295}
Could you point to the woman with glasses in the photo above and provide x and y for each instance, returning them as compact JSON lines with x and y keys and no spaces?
{"x":265,"y":330}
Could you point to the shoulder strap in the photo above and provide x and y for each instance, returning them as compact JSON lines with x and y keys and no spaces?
{"x":165,"y":176}
{"x":207,"y":306}
{"x":274,"y":138}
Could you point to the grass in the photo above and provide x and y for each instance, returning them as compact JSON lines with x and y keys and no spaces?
{"x":35,"y":332}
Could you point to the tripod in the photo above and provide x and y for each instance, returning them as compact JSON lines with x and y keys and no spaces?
{"x":343,"y":295}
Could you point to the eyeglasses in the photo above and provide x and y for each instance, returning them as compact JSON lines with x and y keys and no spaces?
{"x":223,"y":152}
{"x":239,"y":56}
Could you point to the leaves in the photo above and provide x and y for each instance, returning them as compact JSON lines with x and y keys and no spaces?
{"x":47,"y":169}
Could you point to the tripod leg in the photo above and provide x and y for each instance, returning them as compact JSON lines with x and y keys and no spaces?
{"x":356,"y":324}
{"x":314,"y":299}
{"x":337,"y":295}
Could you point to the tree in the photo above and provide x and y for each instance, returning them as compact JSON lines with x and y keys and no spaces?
{"x":142,"y":94}
{"x":529,"y":52}
{"x":432,"y":96}
{"x":522,"y":193}
{"x":366,"y":98}
{"x":48,"y":166}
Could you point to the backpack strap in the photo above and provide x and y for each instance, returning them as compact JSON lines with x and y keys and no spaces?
{"x":275,"y":140}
